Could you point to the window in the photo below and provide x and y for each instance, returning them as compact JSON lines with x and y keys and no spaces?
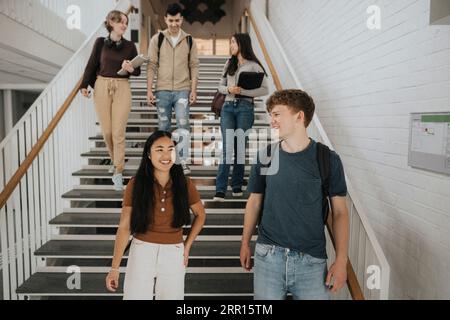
{"x":223,"y":47}
{"x":206,"y":47}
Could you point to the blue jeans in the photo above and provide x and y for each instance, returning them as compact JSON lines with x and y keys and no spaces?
{"x":237,"y":114}
{"x":178,"y":100}
{"x":278,"y":271}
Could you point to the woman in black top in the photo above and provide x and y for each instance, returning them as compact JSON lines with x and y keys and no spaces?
{"x":112,"y":93}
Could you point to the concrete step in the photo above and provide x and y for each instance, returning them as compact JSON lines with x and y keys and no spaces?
{"x":194,"y":151}
{"x":196,"y":159}
{"x":105,"y":249}
{"x":99,"y":174}
{"x":93,"y":210}
{"x":203,"y":86}
{"x":203,"y":109}
{"x":112,"y":195}
{"x":207,"y":99}
{"x":194,"y":123}
{"x":93,"y":284}
{"x":194,"y":117}
{"x":204,"y":74}
{"x":211,"y":169}
{"x":99,"y":220}
{"x":205,"y":138}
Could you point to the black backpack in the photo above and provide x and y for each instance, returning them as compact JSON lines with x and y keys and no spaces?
{"x":323,"y":160}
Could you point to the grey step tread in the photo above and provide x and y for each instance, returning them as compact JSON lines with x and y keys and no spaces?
{"x":118,"y":195}
{"x":138,"y":154}
{"x":207,"y":112}
{"x":112,"y":219}
{"x":200,"y":99}
{"x":131,"y":173}
{"x":144,"y":137}
{"x":105,"y":248}
{"x":105,"y":154}
{"x":200,"y":89}
{"x":207,"y":122}
{"x":42,"y":283}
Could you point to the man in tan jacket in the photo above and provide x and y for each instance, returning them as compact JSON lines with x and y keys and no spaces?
{"x":173,"y":56}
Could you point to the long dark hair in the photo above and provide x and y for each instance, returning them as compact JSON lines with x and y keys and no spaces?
{"x":142,"y":215}
{"x":245,"y":48}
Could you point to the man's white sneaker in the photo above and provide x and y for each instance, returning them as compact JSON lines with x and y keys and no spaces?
{"x":219,"y":197}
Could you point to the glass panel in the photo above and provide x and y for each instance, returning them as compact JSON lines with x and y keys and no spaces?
{"x":205,"y":47}
{"x":223,"y":47}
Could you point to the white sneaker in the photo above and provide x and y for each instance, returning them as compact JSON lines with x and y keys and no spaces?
{"x":117,"y":179}
{"x":111,"y":170}
{"x":186,"y":169}
{"x":219,"y":197}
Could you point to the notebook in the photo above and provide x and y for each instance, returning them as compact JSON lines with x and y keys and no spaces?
{"x":136,"y":62}
{"x":250,"y":80}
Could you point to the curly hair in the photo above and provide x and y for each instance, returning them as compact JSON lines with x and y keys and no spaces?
{"x":296,"y":100}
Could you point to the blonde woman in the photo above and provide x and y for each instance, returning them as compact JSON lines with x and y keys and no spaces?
{"x":112,"y":93}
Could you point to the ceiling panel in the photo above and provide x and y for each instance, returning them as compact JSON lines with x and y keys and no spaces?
{"x":17,"y":68}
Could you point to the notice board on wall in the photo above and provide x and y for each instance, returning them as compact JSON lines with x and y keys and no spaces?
{"x":429,"y":142}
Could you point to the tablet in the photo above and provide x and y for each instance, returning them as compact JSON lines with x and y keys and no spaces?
{"x":136,"y":62}
{"x":250,"y":80}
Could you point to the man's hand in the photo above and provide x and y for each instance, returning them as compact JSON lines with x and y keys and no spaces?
{"x":337,"y":274}
{"x":150,"y":98}
{"x":246,"y":256}
{"x":192,"y":98}
{"x":126,"y":65}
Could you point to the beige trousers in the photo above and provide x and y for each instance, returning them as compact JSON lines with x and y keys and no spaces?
{"x":112,"y":99}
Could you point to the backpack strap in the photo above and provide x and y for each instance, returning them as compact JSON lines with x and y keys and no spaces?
{"x":323,"y":160}
{"x":270,"y":151}
{"x":160,"y":42}
{"x":189,"y":40}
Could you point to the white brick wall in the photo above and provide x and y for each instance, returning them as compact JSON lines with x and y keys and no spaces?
{"x":365,"y":84}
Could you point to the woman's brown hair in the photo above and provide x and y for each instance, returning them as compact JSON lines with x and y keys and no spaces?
{"x":115,"y":16}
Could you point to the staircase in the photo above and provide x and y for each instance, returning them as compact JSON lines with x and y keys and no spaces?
{"x":57,"y":240}
{"x":86,"y":229}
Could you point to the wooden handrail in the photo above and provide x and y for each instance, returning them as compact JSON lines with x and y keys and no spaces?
{"x":25,"y":165}
{"x":352,"y":280}
{"x":274,"y":73}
